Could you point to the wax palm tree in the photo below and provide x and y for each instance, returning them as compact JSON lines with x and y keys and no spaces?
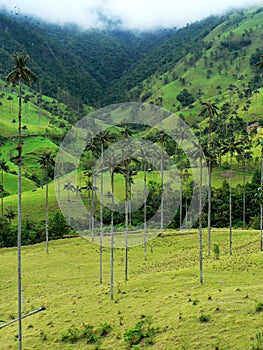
{"x":110,"y":164}
{"x":181,"y":161}
{"x":259,"y":195}
{"x":128,"y":174}
{"x":19,"y":74}
{"x":46,"y":162}
{"x":231,"y":146}
{"x":101,"y":140}
{"x":69,"y":188}
{"x":211,"y":111}
{"x":4,"y":168}
{"x":163,"y":139}
{"x":93,"y":149}
{"x":197,"y":154}
{"x":127,"y":133}
{"x":145,"y":154}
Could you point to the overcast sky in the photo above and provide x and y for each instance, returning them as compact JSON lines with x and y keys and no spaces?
{"x":134,"y":14}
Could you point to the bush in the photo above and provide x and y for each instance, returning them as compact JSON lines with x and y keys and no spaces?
{"x":216,"y":251}
{"x":259,"y":307}
{"x":204,"y":318}
{"x":142,"y":330}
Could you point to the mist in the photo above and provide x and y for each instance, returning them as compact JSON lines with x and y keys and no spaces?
{"x":127,"y":14}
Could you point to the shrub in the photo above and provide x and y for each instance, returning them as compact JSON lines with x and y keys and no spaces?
{"x":142,"y":330}
{"x":216,"y":251}
{"x":204,"y":318}
{"x":259,"y":307}
{"x":104,"y":329}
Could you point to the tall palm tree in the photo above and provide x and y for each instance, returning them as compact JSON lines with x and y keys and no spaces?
{"x":163,"y":139}
{"x":127,"y":133}
{"x":128,"y":173}
{"x":101,"y":140}
{"x":145,"y":154}
{"x":19,"y":74}
{"x":259,"y":195}
{"x":211,"y":111}
{"x":110,"y":164}
{"x":198,"y":155}
{"x":92,"y":147}
{"x":46,"y":162}
{"x":68,"y":187}
{"x":181,"y":135}
{"x":231,"y":146}
{"x":3,"y":167}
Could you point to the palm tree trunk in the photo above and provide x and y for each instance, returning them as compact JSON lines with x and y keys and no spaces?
{"x":244,"y":197}
{"x":230,"y":206}
{"x":181,"y":197}
{"x":261,"y":208}
{"x":145,"y":215}
{"x":126,"y":227}
{"x":101,"y":213}
{"x":47,"y":221}
{"x":209,"y":206}
{"x":2,"y":197}
{"x":161,"y":222}
{"x":19,"y":213}
{"x":112,"y":237}
{"x":200,"y":221}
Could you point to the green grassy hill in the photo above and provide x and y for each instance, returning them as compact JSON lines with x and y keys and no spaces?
{"x":164,"y":288}
{"x":227,"y":55}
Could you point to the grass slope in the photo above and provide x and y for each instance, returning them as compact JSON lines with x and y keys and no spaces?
{"x":165,"y":287}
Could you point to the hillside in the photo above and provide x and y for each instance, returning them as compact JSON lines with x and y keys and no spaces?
{"x":221,"y":69}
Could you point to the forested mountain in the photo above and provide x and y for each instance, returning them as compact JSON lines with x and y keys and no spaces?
{"x":71,"y":61}
{"x":95,"y":67}
{"x":100,"y":67}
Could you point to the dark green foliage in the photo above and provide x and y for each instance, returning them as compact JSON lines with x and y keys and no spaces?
{"x":58,"y":227}
{"x":185,"y":98}
{"x":7,"y":236}
{"x":204,"y":318}
{"x":143,"y":330}
{"x":33,"y":232}
{"x":86,"y":332}
{"x":216,"y":251}
{"x":259,"y":307}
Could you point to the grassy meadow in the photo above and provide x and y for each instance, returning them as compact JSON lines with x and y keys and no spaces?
{"x":165,"y":288}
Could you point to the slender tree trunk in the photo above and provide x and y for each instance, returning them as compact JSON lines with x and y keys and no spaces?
{"x":261,"y":208}
{"x":200,"y":220}
{"x":181,"y":196}
{"x":209,"y":206}
{"x":126,"y":227}
{"x":92,"y":211}
{"x":244,"y":197}
{"x":101,"y":213}
{"x":145,"y":215}
{"x":230,"y":206}
{"x":19,"y":226}
{"x":112,"y":237}
{"x":209,"y":188}
{"x":2,"y":197}
{"x":47,"y":221}
{"x":161,"y":222}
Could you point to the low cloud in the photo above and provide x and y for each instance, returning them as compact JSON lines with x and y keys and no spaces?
{"x":130,"y":14}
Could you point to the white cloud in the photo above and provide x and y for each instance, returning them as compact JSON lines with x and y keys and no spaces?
{"x":141,"y":14}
